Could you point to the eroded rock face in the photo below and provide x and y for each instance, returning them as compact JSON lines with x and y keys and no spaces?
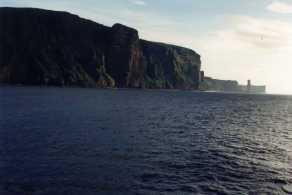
{"x":170,"y":66}
{"x":124,"y":56}
{"x":41,"y":47}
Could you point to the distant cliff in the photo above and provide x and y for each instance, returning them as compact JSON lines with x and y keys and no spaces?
{"x":41,"y":47}
{"x":210,"y":84}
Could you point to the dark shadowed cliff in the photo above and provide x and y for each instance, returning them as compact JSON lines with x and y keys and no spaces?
{"x":41,"y":47}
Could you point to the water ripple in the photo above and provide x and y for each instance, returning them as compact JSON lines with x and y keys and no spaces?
{"x":86,"y":141}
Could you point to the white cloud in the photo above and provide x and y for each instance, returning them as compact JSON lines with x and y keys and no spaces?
{"x":280,"y":7}
{"x":138,"y":2}
{"x":262,"y":33}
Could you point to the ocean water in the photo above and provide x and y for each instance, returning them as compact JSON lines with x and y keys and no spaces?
{"x":89,"y":141}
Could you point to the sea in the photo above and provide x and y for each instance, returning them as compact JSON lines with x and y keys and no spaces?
{"x":120,"y":141}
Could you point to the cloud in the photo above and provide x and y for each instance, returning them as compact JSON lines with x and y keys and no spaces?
{"x":260,"y":33}
{"x":280,"y":7}
{"x":138,"y":2}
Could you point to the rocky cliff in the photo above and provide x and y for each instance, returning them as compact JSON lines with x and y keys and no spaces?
{"x":210,"y":84}
{"x":41,"y":47}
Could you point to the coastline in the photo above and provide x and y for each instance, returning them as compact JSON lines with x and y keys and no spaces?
{"x":139,"y":89}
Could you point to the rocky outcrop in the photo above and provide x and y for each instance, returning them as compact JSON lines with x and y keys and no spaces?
{"x":41,"y":47}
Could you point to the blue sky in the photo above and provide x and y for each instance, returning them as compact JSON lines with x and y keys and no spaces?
{"x":237,"y":39}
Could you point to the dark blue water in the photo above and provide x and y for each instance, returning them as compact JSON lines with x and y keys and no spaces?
{"x":88,"y":141}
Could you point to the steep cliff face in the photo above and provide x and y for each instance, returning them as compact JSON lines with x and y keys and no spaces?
{"x":170,"y":66}
{"x":41,"y":47}
{"x":124,"y":57}
{"x":51,"y":48}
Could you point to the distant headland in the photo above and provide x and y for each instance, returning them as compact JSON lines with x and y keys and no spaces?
{"x":210,"y":84}
{"x":50,"y":48}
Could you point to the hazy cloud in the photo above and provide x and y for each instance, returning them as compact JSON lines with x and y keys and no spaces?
{"x":262,"y":33}
{"x":138,"y":2}
{"x":280,"y":7}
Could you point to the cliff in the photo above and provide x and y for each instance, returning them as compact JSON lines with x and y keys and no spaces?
{"x":210,"y":84}
{"x":169,"y":66}
{"x":41,"y":47}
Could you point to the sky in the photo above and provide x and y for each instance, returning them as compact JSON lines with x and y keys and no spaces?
{"x":237,"y":39}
